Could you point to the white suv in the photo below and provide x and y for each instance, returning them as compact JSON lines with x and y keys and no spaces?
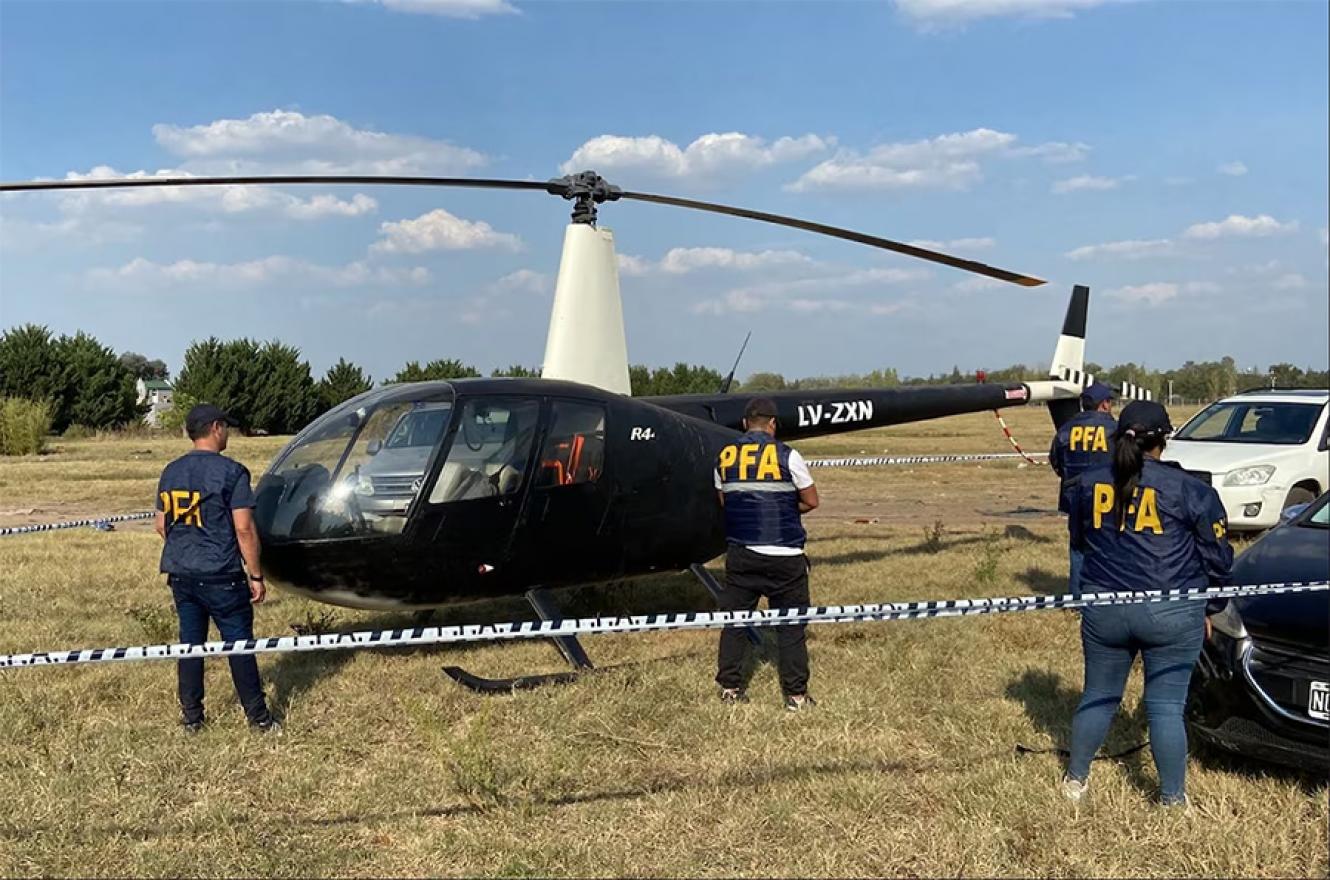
{"x":1262,"y":450}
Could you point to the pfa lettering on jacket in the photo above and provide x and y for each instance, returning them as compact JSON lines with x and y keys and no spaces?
{"x":847,"y":412}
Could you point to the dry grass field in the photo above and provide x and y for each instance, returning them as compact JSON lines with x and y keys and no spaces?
{"x":387,"y":768}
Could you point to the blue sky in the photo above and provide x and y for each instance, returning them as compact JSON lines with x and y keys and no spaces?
{"x":1173,"y":156}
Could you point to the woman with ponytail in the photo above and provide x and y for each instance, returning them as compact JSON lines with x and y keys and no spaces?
{"x":1143,"y":524}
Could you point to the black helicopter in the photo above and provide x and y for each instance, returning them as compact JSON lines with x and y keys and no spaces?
{"x":419,"y":495}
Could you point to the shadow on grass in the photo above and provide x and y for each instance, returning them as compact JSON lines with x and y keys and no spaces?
{"x":747,"y":778}
{"x":1040,"y":580}
{"x":1050,"y":705}
{"x":296,"y":673}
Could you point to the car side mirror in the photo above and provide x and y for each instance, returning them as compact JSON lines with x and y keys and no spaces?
{"x":374,"y":447}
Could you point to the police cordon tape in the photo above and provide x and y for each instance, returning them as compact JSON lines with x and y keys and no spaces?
{"x":73,"y":524}
{"x":872,"y":461}
{"x":540,"y":629}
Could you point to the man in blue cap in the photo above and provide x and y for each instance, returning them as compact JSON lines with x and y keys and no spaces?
{"x":1082,"y":443}
{"x":210,"y":555}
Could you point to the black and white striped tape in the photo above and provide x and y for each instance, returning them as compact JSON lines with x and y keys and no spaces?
{"x":540,"y":629}
{"x":912,"y":459}
{"x":73,"y":524}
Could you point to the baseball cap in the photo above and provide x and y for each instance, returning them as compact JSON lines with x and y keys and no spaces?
{"x":1144,"y":417}
{"x":203,"y":415}
{"x":760,"y":408}
{"x":1096,"y":393}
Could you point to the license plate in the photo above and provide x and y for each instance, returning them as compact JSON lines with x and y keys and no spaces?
{"x":1318,"y":701}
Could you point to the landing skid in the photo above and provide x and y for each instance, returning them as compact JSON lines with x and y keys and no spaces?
{"x":569,"y":647}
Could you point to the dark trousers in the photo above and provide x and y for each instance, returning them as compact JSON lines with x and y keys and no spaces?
{"x":784,"y":581}
{"x":227,"y":605}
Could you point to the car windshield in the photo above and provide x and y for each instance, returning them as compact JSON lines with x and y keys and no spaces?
{"x":1284,"y":424}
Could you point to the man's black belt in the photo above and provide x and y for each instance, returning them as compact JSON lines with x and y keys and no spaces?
{"x":209,"y":580}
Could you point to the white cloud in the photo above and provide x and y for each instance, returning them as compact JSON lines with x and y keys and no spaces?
{"x":934,"y":13}
{"x":527,"y":280}
{"x":809,"y":306}
{"x":1157,"y":293}
{"x":224,"y":199}
{"x":141,"y":273}
{"x":1132,"y":249}
{"x":471,"y":9}
{"x":956,"y":244}
{"x":709,"y":154}
{"x":1055,"y":152}
{"x":1086,"y":182}
{"x":948,"y":161}
{"x":978,"y":283}
{"x":783,"y":294}
{"x":1154,"y":293}
{"x":681,"y":261}
{"x":678,"y":261}
{"x":1290,"y":281}
{"x":439,"y":230}
{"x":1238,"y":226}
{"x":1233,"y":169}
{"x":291,"y":142}
{"x":633,"y":266}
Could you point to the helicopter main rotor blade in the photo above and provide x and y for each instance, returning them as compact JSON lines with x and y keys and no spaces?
{"x":586,"y":186}
{"x":553,"y":187}
{"x":846,"y":234}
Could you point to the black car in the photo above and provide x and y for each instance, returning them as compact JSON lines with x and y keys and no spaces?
{"x":1262,"y":684}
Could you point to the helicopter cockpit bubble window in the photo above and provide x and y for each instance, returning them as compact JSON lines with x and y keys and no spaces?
{"x":574,"y":449}
{"x":490,"y":449}
{"x":356,"y":470}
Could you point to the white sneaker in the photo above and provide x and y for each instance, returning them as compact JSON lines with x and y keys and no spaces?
{"x":1074,"y":789}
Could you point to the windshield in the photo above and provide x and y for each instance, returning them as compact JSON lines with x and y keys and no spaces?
{"x":1284,"y":424}
{"x":357,"y":469}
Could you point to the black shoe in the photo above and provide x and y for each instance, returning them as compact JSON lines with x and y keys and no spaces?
{"x":799,"y":702}
{"x":733,"y":696}
{"x":268,"y":726}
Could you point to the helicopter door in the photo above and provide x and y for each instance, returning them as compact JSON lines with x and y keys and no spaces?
{"x":569,"y":497}
{"x":473,"y":504}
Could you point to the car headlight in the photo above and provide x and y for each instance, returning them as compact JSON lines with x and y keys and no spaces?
{"x":1258,"y":475}
{"x":364,"y":485}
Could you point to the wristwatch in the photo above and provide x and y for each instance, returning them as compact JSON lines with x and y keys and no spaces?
{"x":256,"y":577}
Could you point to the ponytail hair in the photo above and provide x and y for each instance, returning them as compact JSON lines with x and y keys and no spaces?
{"x":1130,"y":443}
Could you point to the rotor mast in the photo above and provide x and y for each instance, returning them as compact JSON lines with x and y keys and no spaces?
{"x":586,"y":341}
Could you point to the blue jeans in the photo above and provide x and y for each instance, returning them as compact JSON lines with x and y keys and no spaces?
{"x":1077,"y":563}
{"x":1168,"y":636}
{"x":228,"y":605}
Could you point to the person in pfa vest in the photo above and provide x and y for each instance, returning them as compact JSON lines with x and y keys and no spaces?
{"x":1144,"y":524}
{"x":210,"y":555}
{"x":1083,"y":442}
{"x":765,"y":487}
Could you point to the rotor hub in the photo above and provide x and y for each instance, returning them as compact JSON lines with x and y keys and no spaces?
{"x":585,"y":190}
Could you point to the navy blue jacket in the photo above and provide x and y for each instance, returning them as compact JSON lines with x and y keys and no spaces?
{"x":1084,"y":441}
{"x":197,"y":492}
{"x":1175,"y":535}
{"x":761,"y":500}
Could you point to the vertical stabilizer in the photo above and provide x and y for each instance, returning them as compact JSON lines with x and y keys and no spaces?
{"x":586,"y":340}
{"x":1069,"y":354}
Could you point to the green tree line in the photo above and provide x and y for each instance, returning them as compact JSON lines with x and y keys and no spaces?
{"x":270,"y":388}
